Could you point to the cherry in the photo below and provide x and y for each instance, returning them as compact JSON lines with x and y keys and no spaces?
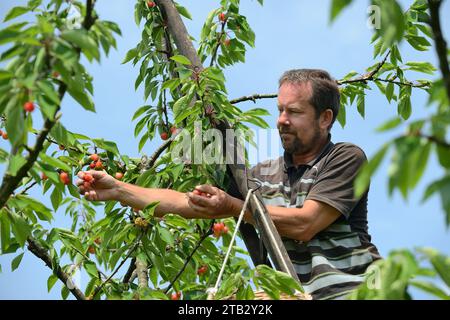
{"x":61,"y":147}
{"x":92,"y":165}
{"x":173,"y":130}
{"x":151,"y":4}
{"x":4,"y":135}
{"x":202,"y":270}
{"x":88,"y":178}
{"x":119,"y":175}
{"x":91,"y":250}
{"x":225,"y":229}
{"x":227,"y":42}
{"x":99,"y":165}
{"x":175,"y":296}
{"x":98,"y":240}
{"x":55,"y":74}
{"x":28,"y":106}
{"x":222,"y":17}
{"x":64,"y":177}
{"x":44,"y":176}
{"x":94,"y":157}
{"x":218,"y":227}
{"x":164,"y":136}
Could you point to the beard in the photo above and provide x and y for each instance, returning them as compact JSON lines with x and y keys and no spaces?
{"x":294,"y":145}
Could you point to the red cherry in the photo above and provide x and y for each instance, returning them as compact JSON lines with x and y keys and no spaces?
{"x":227,"y":42}
{"x":98,"y":240}
{"x":173,"y":130}
{"x":202,"y":270}
{"x":119,"y":175}
{"x":5,"y":135}
{"x":28,"y":106}
{"x":151,"y":4}
{"x":225,"y":229}
{"x":164,"y":136}
{"x":94,"y":157}
{"x":222,"y":17}
{"x":99,"y":165}
{"x":61,"y":147}
{"x":92,"y":165}
{"x":55,"y":74}
{"x":218,"y":227}
{"x":91,"y":250}
{"x":64,"y":177}
{"x":44,"y":176}
{"x":88,"y":178}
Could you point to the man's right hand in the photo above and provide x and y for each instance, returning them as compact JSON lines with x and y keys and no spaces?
{"x":102,"y":187}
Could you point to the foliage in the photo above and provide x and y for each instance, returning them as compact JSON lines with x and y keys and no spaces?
{"x":43,"y":59}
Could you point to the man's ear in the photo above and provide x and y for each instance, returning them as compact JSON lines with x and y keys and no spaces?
{"x":326,"y":117}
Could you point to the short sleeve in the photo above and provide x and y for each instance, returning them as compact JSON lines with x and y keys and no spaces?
{"x":334,"y":183}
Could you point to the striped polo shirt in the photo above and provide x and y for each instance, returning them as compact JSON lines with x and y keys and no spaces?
{"x":333,"y":262}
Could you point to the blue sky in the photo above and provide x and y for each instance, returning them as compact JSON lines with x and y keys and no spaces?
{"x":289,"y":34}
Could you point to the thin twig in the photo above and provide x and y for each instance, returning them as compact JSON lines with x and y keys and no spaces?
{"x":199,"y":243}
{"x":219,"y":41}
{"x":99,"y":288}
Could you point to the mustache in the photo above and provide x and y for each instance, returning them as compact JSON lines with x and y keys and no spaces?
{"x":281,"y":131}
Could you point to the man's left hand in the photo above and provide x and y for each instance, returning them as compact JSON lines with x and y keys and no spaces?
{"x":211,"y":201}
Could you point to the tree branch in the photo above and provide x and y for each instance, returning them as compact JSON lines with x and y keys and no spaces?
{"x":441,"y":44}
{"x":41,"y":253}
{"x":254,"y":98}
{"x":128,"y":274}
{"x":142,"y":273}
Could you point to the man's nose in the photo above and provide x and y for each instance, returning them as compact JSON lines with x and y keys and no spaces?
{"x":283,"y":120}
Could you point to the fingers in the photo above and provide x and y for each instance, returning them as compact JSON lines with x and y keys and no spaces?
{"x":196,"y":207}
{"x":199,"y":199}
{"x":206,"y":188}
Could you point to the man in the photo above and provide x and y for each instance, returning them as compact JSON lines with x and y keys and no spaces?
{"x":309,"y":194}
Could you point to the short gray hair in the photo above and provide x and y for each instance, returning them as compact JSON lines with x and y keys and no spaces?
{"x":325,"y":91}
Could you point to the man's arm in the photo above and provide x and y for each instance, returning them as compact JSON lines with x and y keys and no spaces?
{"x":103,"y":187}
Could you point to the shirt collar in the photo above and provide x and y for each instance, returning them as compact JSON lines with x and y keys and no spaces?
{"x":288,"y":161}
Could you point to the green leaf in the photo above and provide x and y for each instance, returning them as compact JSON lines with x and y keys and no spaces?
{"x":181,"y":59}
{"x":389,"y":91}
{"x":430,"y":288}
{"x":82,"y":98}
{"x":81,"y":39}
{"x":54,"y":162}
{"x":337,"y":6}
{"x":15,"y":163}
{"x":56,"y":198}
{"x":390,"y":124}
{"x":367,"y":170}
{"x":404,"y":107}
{"x":183,"y":11}
{"x":166,"y":236}
{"x":49,"y":91}
{"x":424,"y":67}
{"x":16,"y":261}
{"x":361,"y":105}
{"x":21,"y":229}
{"x":51,"y":282}
{"x":15,"y":125}
{"x":15,"y":12}
{"x":131,"y":54}
{"x":91,"y":269}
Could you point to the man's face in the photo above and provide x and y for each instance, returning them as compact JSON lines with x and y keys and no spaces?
{"x":297,"y":122}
